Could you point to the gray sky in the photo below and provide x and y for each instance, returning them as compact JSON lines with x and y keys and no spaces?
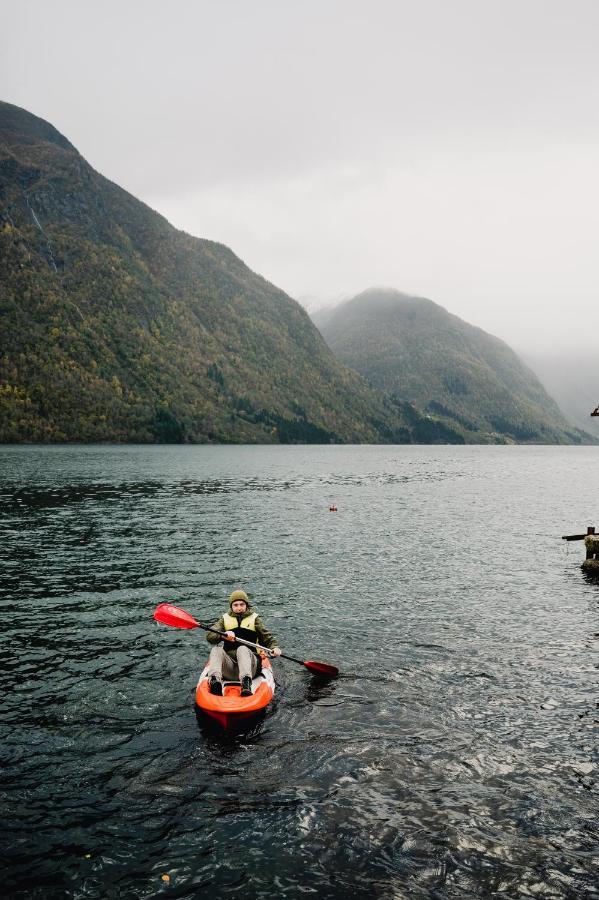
{"x":447,"y":148}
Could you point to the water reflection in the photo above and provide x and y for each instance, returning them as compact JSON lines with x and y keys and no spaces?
{"x":25,"y":498}
{"x":247,"y":728}
{"x":234,"y":486}
{"x":453,"y":757}
{"x":319,"y":688}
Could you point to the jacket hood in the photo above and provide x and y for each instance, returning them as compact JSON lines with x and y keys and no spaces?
{"x":240,"y":595}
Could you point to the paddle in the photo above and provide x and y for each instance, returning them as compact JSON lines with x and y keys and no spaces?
{"x":178,"y":618}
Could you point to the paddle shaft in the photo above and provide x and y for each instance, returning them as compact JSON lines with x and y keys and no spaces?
{"x":248,"y":643}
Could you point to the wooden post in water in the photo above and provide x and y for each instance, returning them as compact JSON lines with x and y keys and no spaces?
{"x":590,"y":553}
{"x":591,"y":543}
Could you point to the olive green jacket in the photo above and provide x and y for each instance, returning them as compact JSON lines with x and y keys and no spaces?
{"x":263,"y":635}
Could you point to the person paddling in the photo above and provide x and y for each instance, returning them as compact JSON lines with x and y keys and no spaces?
{"x":236,"y":661}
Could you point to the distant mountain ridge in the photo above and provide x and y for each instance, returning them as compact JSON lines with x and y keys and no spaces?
{"x":572,"y":379}
{"x":414,"y":350}
{"x":117,"y":327}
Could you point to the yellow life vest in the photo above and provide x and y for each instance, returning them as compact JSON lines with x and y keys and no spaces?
{"x":231,"y":622}
{"x":246,"y":629}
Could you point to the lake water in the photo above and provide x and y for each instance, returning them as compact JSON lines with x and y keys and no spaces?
{"x":454,"y":757}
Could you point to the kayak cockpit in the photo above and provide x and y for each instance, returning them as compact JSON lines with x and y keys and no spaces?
{"x":231,"y":707}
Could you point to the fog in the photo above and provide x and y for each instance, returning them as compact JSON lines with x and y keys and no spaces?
{"x":444,"y":149}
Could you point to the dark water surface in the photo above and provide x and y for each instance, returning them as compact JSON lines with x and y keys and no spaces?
{"x":456,"y":756}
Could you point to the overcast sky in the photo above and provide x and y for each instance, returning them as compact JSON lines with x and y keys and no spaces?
{"x":447,"y":148}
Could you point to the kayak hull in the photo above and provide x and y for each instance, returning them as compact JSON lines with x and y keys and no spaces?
{"x":232,"y":709}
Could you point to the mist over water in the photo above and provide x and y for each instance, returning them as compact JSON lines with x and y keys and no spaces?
{"x":454,"y":757}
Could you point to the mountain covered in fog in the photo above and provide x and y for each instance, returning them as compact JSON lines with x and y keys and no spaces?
{"x":573,"y":380}
{"x":415,"y":351}
{"x":117,"y":326}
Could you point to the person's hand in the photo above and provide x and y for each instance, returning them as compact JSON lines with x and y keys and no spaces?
{"x":229,"y":635}
{"x":276,"y":651}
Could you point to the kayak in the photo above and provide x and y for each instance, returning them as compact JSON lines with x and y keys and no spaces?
{"x":232,"y":708}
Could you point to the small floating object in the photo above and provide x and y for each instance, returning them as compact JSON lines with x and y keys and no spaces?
{"x":333,"y":508}
{"x":166,"y":877}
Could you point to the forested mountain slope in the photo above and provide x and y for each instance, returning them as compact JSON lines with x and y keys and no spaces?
{"x":416,"y":351}
{"x":573,"y":379}
{"x":115,"y":326}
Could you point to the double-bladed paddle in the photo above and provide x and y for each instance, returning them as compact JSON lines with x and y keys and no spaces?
{"x":178,"y":618}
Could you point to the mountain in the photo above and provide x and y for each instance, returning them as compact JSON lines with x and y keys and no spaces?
{"x":417,"y":352}
{"x":573,"y":380}
{"x":115,"y":326}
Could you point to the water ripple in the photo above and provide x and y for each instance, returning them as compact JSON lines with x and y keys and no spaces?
{"x":456,"y":755}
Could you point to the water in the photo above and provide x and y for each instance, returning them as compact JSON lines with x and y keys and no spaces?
{"x":455,"y":757}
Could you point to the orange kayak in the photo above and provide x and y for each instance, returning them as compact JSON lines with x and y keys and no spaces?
{"x":232,"y":708}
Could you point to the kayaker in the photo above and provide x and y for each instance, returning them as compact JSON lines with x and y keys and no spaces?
{"x":238,"y":662}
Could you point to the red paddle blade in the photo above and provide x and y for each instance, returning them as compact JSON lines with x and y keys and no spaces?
{"x":322,"y":669}
{"x":172,"y":615}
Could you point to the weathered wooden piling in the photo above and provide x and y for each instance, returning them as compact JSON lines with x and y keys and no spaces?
{"x":591,"y":542}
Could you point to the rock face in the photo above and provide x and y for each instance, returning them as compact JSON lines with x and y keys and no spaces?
{"x":417,"y":352}
{"x":118,"y":327}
